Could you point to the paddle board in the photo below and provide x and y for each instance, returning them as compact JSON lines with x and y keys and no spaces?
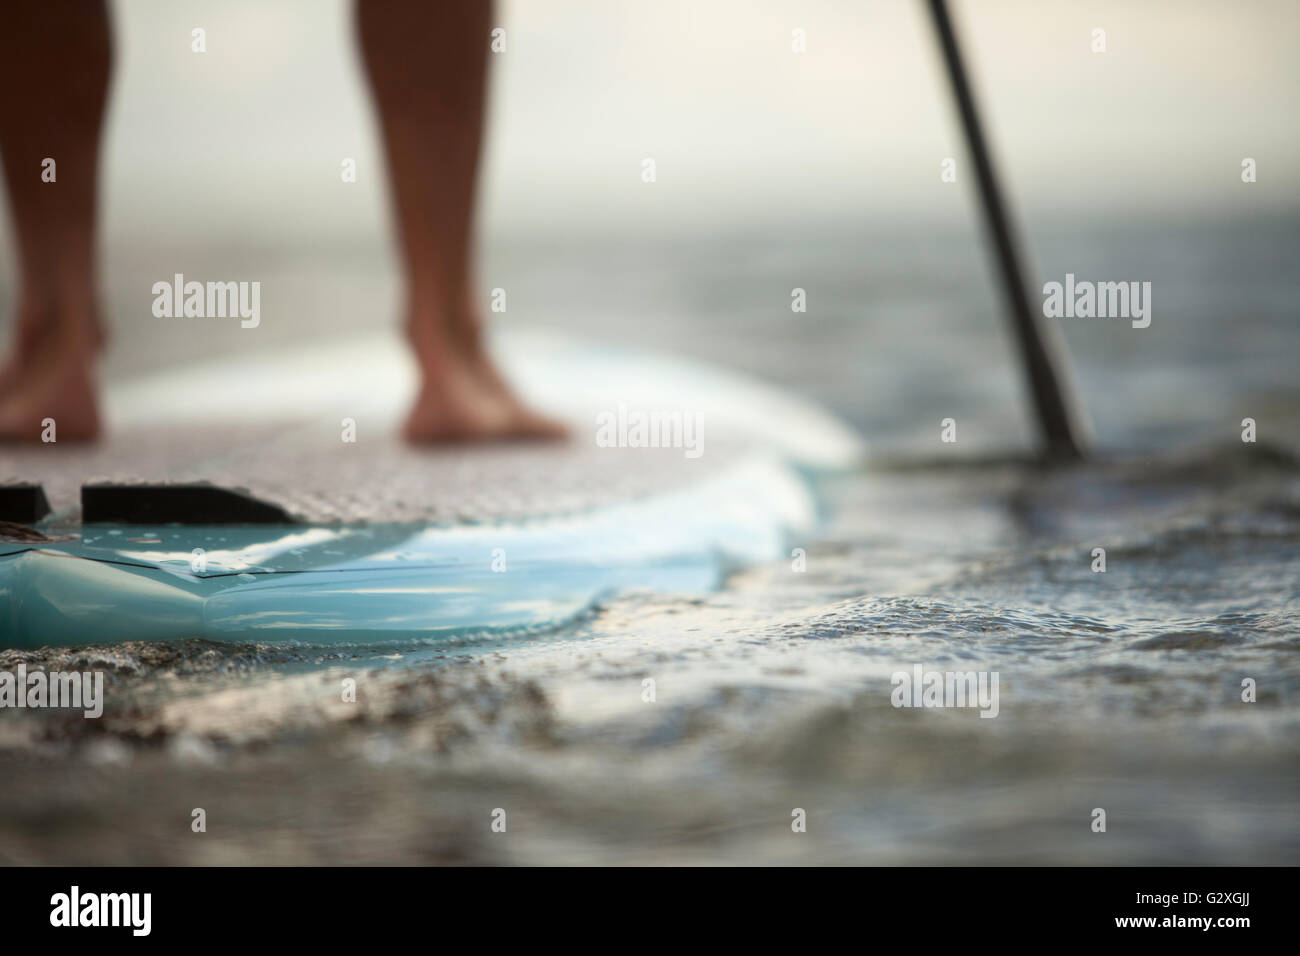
{"x":266,"y":498}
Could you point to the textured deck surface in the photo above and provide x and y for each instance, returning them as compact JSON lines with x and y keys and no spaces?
{"x":318,"y":478}
{"x":270,"y":423}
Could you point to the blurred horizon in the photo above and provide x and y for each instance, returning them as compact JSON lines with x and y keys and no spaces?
{"x":244,"y":143}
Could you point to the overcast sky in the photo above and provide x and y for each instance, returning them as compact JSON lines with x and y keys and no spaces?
{"x":246,"y":140}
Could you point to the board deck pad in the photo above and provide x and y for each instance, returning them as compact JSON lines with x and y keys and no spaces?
{"x":23,"y":503}
{"x":316,"y":478}
{"x":382,"y":541}
{"x":187,"y":503}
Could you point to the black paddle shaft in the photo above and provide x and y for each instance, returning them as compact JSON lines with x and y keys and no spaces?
{"x":1040,"y":352}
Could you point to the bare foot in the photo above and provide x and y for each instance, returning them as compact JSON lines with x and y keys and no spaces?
{"x":49,"y":391}
{"x":463,"y":397}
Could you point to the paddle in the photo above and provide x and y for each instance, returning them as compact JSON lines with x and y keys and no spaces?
{"x":1061,"y":421}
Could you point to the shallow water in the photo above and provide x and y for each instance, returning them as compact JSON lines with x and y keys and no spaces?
{"x":1118,"y":690}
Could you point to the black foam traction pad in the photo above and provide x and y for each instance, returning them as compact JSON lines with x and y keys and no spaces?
{"x":23,"y":503}
{"x":197,"y":503}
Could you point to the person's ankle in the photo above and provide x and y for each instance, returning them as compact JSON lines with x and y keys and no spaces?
{"x":70,"y":322}
{"x":450,"y":325}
